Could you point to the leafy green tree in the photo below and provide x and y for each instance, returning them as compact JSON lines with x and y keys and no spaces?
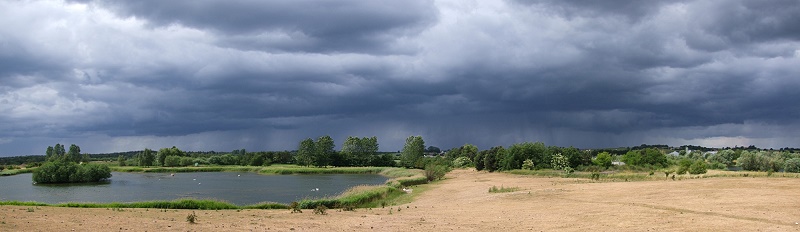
{"x":453,"y":153}
{"x":412,"y":151}
{"x":479,"y":160}
{"x":750,"y":161}
{"x":74,"y":154}
{"x":433,"y":149}
{"x":519,"y":152}
{"x":49,"y":153}
{"x":513,"y":157}
{"x":491,"y":160}
{"x":632,"y":158}
{"x":725,"y":157}
{"x":577,"y":157}
{"x":792,"y":165}
{"x":305,"y":152}
{"x":323,"y":150}
{"x":172,"y":161}
{"x":59,"y":151}
{"x":654,"y":157}
{"x":146,"y":158}
{"x":359,"y":151}
{"x":163,"y":153}
{"x":186,"y":161}
{"x":385,"y":160}
{"x":469,"y":151}
{"x":121,"y":160}
{"x":603,"y":160}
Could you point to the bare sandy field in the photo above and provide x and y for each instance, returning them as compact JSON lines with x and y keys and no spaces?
{"x":462,"y":202}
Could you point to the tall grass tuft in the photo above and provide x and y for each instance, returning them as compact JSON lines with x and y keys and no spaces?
{"x":356,"y":196}
{"x":502,"y":189}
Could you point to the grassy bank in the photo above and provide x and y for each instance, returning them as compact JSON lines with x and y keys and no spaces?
{"x":176,"y":204}
{"x":16,"y":171}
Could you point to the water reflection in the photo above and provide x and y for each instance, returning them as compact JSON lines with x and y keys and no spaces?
{"x":237,"y":188}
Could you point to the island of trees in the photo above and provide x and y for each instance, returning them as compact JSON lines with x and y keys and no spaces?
{"x":69,"y":167}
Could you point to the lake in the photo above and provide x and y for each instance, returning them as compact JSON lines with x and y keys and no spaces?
{"x":240,"y":188}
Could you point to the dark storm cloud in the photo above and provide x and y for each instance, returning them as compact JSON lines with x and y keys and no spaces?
{"x":222,"y":75}
{"x":311,"y":26}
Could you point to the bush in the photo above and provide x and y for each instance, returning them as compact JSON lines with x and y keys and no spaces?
{"x":698,"y":167}
{"x":461,"y":162}
{"x":172,"y":161}
{"x":527,"y":164}
{"x":187,"y":161}
{"x":70,"y":172}
{"x":559,"y":162}
{"x":792,"y":165}
{"x":750,"y":161}
{"x":295,"y":207}
{"x":683,"y":166}
{"x":435,"y":172}
{"x":603,"y":160}
{"x":320,"y":209}
{"x":718,"y":166}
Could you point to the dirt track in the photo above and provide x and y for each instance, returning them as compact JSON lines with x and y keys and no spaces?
{"x":463,"y":203}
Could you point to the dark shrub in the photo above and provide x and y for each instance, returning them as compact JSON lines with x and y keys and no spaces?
{"x":698,"y":167}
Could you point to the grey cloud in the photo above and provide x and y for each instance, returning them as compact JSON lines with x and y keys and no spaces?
{"x":263,"y":75}
{"x":310,"y":26}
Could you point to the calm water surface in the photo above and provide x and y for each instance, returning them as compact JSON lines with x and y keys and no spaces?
{"x":241,"y":188}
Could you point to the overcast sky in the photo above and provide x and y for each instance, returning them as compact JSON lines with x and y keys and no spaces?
{"x":262,"y":75}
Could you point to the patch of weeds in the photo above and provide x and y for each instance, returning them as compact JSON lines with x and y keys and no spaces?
{"x":595,"y":176}
{"x":321,"y":208}
{"x":191,"y":218}
{"x":30,"y":210}
{"x":295,"y":207}
{"x":346,"y":207}
{"x":502,"y":189}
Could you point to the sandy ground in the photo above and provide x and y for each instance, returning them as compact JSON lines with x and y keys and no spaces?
{"x":462,"y":203}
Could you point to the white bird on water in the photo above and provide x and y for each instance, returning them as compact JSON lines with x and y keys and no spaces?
{"x":315,"y":189}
